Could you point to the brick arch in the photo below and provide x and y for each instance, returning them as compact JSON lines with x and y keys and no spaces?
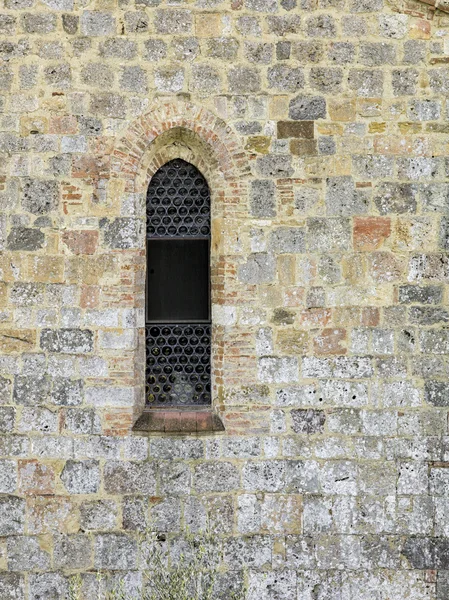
{"x":180,"y":116}
{"x":166,"y":131}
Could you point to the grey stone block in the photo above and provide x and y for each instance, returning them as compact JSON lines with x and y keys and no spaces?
{"x":98,"y":75}
{"x":115,"y":552}
{"x":243,"y":80}
{"x":343,"y":198}
{"x":118,"y":48}
{"x":215,"y":477}
{"x":308,"y":421}
{"x":81,"y":476}
{"x":307,"y":108}
{"x":263,"y":198}
{"x":173,"y":21}
{"x":288,"y":240}
{"x":25,"y":554}
{"x":25,"y":238}
{"x":67,"y":341}
{"x":72,"y":552}
{"x":285,"y":79}
{"x":322,"y":26}
{"x":51,"y":586}
{"x":130,"y":477}
{"x":12,"y":586}
{"x":97,"y":23}
{"x":31,"y":390}
{"x":259,"y":268}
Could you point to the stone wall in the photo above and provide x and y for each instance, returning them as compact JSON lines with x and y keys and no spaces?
{"x":321,"y":126}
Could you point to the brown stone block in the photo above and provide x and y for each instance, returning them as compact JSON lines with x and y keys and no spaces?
{"x":370,"y":233}
{"x":36,"y":478}
{"x":90,"y":295}
{"x":292,"y":342}
{"x":341,"y":109}
{"x":295,"y":129}
{"x":330,"y":341}
{"x":81,"y":242}
{"x":52,"y":514}
{"x":259,"y":144}
{"x":377,"y":127}
{"x":33,"y":125}
{"x":315,"y":317}
{"x":304,"y":147}
{"x":46,"y":269}
{"x":420,"y":29}
{"x":17,"y":340}
{"x":208,"y":25}
{"x":66,"y":124}
{"x":3,"y":293}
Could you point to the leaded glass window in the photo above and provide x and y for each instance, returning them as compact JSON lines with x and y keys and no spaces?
{"x":178,"y":325}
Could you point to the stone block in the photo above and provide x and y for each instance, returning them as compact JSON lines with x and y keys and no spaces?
{"x":81,"y":476}
{"x":396,"y":198}
{"x":130,"y":477}
{"x":285,"y":79}
{"x":122,"y":233}
{"x":308,"y":421}
{"x":436,"y":393}
{"x":12,"y":515}
{"x":67,"y":341}
{"x":244,"y":80}
{"x":12,"y":586}
{"x":39,"y":23}
{"x":327,"y":235}
{"x":307,"y":108}
{"x":97,"y":23}
{"x":115,"y":552}
{"x":273,"y":369}
{"x":72,"y":552}
{"x":30,"y":390}
{"x":210,"y":477}
{"x":25,"y":238}
{"x":322,"y":26}
{"x":259,"y":268}
{"x":287,"y":240}
{"x":25,"y":554}
{"x":173,"y":21}
{"x":124,"y":49}
{"x":50,"y":586}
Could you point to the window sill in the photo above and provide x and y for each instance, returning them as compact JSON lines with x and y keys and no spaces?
{"x":178,"y":421}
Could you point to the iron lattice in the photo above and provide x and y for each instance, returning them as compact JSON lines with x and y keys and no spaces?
{"x":178,"y":364}
{"x":178,"y":355}
{"x":178,"y":202}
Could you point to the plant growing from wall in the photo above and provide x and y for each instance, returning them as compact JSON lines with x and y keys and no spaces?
{"x":186,"y":568}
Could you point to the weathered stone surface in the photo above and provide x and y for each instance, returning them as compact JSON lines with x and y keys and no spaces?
{"x":25,"y":238}
{"x":81,"y":477}
{"x":68,"y":341}
{"x":307,"y":108}
{"x":115,"y":552}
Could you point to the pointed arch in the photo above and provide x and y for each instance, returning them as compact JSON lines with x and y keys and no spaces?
{"x":170,"y":130}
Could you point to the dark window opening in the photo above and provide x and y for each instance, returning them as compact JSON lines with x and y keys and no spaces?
{"x":178,"y":326}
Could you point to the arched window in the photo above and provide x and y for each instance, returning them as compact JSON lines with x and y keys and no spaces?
{"x":178,"y":306}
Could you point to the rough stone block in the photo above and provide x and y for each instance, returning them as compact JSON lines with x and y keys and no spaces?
{"x":278,"y":369}
{"x":97,"y":23}
{"x":81,"y":476}
{"x":25,"y":554}
{"x":130,"y":477}
{"x":307,"y":108}
{"x":208,"y":478}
